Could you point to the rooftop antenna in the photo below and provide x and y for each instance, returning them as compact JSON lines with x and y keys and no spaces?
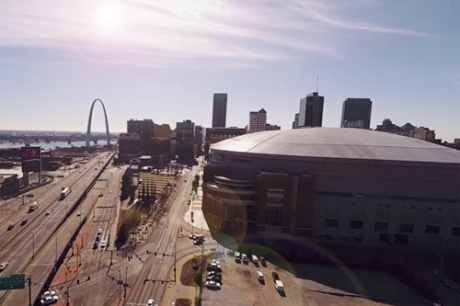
{"x":317,"y":82}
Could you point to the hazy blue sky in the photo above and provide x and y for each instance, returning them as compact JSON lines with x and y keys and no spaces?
{"x":164,"y":59}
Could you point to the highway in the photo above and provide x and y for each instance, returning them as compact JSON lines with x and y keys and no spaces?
{"x":164,"y":238}
{"x":13,"y":209}
{"x":42,"y":229}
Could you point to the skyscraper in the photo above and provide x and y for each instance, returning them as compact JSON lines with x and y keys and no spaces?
{"x":144,"y":128}
{"x":311,"y":110}
{"x":219,"y":110}
{"x":356,"y":113}
{"x":185,"y":131}
{"x":257,"y":121}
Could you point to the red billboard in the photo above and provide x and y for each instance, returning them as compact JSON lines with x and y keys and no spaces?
{"x":31,"y":159}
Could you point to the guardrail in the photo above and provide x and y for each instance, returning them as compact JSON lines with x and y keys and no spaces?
{"x":63,"y":250}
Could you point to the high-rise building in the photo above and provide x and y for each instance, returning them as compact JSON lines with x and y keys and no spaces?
{"x":185,"y":137}
{"x":295,"y":123}
{"x":311,"y":110}
{"x":356,"y":113}
{"x":144,"y":128}
{"x":199,"y":138}
{"x":257,"y":121}
{"x":219,"y":110}
{"x":185,"y":131}
{"x":162,"y":131}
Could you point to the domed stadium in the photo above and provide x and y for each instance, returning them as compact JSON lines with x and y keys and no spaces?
{"x":342,"y":184}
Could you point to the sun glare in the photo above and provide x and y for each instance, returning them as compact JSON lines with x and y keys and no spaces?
{"x":108,"y":17}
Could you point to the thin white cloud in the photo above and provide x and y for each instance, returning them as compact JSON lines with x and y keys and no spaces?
{"x":155,"y":32}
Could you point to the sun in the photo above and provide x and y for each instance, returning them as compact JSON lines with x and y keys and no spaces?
{"x":108,"y":18}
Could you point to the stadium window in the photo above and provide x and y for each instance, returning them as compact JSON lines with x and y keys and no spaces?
{"x":432,"y":230}
{"x":332,"y":223}
{"x":381,"y":226}
{"x":356,"y":224}
{"x":406,"y":228}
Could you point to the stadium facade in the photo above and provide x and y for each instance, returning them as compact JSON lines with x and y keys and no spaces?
{"x":335,"y":183}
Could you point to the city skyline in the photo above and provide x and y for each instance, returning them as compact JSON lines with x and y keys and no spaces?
{"x":384,"y":51}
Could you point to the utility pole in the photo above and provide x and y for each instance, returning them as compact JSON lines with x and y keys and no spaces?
{"x":29,"y":281}
{"x":33,"y":245}
{"x":119,"y":284}
{"x":56,"y":250}
{"x":175,"y":260}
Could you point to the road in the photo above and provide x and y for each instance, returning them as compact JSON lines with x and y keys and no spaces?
{"x":104,"y":216}
{"x":164,"y":238}
{"x":42,"y":229}
{"x":13,"y":208}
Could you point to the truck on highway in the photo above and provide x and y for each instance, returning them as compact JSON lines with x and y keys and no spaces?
{"x":64,"y":192}
{"x":33,"y":206}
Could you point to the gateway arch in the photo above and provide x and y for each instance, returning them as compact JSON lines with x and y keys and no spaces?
{"x":88,"y":131}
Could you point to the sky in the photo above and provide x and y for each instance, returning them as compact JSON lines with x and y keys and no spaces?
{"x":164,"y":60}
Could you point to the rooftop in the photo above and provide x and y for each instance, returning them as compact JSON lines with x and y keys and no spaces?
{"x":340,"y":143}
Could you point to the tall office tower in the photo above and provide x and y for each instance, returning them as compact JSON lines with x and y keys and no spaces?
{"x":311,"y":110}
{"x":356,"y":113}
{"x":257,"y":121}
{"x":295,"y":123}
{"x":145,"y":130}
{"x":219,"y":110}
{"x":185,"y":132}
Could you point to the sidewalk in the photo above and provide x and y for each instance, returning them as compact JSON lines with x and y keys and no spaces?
{"x":199,"y":222}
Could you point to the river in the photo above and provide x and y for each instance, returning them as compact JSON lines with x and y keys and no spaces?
{"x":51,"y":145}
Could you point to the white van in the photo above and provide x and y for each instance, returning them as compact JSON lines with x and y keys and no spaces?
{"x":260,"y":276}
{"x":255,"y":259}
{"x":279,"y":285}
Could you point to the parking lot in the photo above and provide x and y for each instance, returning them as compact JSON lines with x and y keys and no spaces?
{"x":315,"y":285}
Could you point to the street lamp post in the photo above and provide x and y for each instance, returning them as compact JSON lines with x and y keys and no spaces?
{"x":33,"y":245}
{"x":126,"y":281}
{"x":119,"y":284}
{"x":56,"y":249}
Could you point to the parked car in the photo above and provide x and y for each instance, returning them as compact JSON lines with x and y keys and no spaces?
{"x":23,"y":222}
{"x":103,"y":244}
{"x":262,"y":261}
{"x":244,"y":257}
{"x":260,"y":276}
{"x":49,"y":299}
{"x":150,"y":302}
{"x":215,"y":273}
{"x":11,"y":226}
{"x":214,"y":278}
{"x":275,"y":276}
{"x":48,"y":213}
{"x":213,"y":285}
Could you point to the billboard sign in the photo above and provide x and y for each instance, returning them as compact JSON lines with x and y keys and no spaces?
{"x":12,"y":282}
{"x":31,"y":159}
